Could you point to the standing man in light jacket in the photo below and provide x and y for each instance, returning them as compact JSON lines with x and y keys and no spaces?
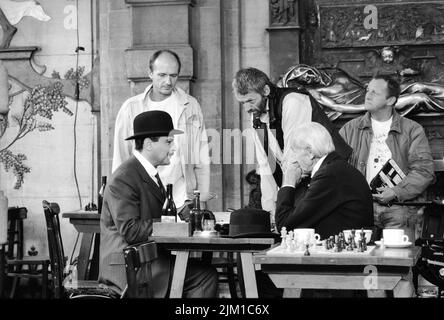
{"x":382,"y":134}
{"x":190,"y":166}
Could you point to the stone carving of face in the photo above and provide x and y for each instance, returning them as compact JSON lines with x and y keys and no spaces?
{"x":387,"y":54}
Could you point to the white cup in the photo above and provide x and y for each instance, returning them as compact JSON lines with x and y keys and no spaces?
{"x":394,"y":236}
{"x":308,"y":235}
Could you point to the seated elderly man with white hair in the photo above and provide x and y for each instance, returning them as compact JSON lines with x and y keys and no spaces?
{"x":337,"y":197}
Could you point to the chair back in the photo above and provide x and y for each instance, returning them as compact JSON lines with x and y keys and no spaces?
{"x":55,"y":245}
{"x":14,"y":249}
{"x":138,"y":259}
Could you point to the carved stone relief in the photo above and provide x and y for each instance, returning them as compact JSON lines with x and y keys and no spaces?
{"x":396,"y":24}
{"x":284,"y":12}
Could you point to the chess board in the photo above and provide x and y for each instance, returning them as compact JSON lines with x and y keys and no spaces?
{"x":316,"y":251}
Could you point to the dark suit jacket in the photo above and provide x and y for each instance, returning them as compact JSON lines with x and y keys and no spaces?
{"x":131,"y":200}
{"x":337,"y":198}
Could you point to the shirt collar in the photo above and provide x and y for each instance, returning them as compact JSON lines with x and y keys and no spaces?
{"x":146,"y":164}
{"x":317,"y":165}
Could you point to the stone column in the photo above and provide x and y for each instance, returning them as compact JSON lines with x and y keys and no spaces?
{"x":158,"y":25}
{"x":284,"y":37}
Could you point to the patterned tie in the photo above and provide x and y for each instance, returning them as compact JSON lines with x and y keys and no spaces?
{"x":161,"y":187}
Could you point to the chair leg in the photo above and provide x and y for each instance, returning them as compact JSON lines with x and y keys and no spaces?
{"x":231,"y":282}
{"x":45,"y":280}
{"x":15,"y":283}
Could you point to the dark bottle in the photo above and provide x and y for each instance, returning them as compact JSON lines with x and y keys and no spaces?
{"x":169,"y":211}
{"x":195,"y":223}
{"x":100,"y":195}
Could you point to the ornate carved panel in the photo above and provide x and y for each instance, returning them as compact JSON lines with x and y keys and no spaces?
{"x":382,"y":25}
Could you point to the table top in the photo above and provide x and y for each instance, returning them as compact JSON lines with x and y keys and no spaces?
{"x":212,"y":243}
{"x":387,"y":256}
{"x":82,"y":214}
{"x":214,"y":240}
{"x":221,"y":217}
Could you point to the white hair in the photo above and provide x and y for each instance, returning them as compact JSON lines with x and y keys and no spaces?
{"x":314,"y":136}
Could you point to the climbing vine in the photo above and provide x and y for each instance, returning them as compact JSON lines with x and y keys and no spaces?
{"x":38,"y":110}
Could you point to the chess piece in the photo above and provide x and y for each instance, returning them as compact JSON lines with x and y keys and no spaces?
{"x":307,"y":252}
{"x":327,"y":244}
{"x":350,"y":240}
{"x":283,"y":237}
{"x":289,"y":240}
{"x":364,"y":241}
{"x":336,"y":247}
{"x":353,"y":233}
{"x":360,"y":246}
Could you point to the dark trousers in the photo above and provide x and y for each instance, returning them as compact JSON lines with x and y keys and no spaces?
{"x":200,"y":280}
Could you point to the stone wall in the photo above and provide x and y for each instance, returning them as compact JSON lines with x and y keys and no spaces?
{"x":50,"y":154}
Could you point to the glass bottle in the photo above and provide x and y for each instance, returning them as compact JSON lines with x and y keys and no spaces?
{"x":169,"y":211}
{"x":100,"y":195}
{"x":195,"y":223}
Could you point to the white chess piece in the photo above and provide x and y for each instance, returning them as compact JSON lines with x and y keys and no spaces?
{"x":289,"y":240}
{"x":284,"y":237}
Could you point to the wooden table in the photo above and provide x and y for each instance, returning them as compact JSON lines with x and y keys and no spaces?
{"x":244,"y":247}
{"x":383,"y":269}
{"x":87,"y":223}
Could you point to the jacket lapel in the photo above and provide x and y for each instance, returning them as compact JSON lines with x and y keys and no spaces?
{"x":332,"y":156}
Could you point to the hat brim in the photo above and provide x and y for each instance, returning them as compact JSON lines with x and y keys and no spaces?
{"x":254,"y":235}
{"x":155,"y":134}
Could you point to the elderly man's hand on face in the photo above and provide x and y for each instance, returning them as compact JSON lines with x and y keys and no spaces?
{"x":385,"y":195}
{"x":292,"y":172}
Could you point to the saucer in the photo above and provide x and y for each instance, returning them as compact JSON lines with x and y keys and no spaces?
{"x":395,"y":245}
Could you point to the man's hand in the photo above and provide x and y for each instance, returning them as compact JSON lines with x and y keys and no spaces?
{"x":385,"y":195}
{"x":292,"y":173}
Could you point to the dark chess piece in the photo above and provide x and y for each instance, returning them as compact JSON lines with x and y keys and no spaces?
{"x":353,"y":233}
{"x":349,"y":247}
{"x":307,"y":252}
{"x":364,"y":241}
{"x":360,"y":246}
{"x":350,"y":241}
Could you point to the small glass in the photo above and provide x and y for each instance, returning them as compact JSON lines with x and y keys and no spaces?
{"x":208,"y":224}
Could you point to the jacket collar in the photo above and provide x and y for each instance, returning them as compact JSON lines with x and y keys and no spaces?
{"x":366,"y":122}
{"x":331,"y":157}
{"x":135,"y":163}
{"x":182,"y":97}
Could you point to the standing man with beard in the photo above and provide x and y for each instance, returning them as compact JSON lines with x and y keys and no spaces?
{"x":190,"y":166}
{"x":275,"y":114}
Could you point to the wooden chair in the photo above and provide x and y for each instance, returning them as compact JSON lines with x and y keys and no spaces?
{"x":138,"y":259}
{"x":63,"y":285}
{"x":19,"y":266}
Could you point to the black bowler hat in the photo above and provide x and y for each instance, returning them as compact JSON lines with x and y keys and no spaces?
{"x":153,"y":124}
{"x":250,"y":223}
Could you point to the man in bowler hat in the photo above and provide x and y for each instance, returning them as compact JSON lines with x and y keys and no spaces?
{"x":133,"y":198}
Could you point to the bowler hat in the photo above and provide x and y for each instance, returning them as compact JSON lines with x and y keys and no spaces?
{"x":153,"y":124}
{"x":250,"y":223}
